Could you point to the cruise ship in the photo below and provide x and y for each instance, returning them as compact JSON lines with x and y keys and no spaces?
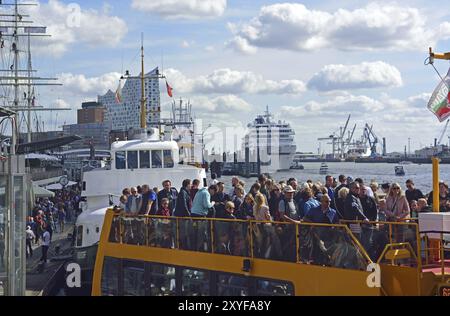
{"x":275,"y":141}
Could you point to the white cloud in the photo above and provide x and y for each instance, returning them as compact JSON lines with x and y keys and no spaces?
{"x":184,"y":9}
{"x":227,"y":81}
{"x":90,"y":87}
{"x":95,"y":28}
{"x":376,"y":26}
{"x":362,"y":76}
{"x":222,"y":104}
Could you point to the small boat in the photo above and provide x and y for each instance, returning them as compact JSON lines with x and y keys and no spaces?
{"x":323,"y":168}
{"x":399,"y":171}
{"x":297,"y":166}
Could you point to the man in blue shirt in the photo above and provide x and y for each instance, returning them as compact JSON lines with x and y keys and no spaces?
{"x":149,"y":201}
{"x":323,"y":214}
{"x":329,"y":185}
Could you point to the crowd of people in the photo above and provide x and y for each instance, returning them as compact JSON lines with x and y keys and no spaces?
{"x":49,"y":216}
{"x":285,"y":201}
{"x":268,"y":200}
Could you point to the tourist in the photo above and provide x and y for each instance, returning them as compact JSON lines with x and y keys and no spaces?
{"x":353,"y":210}
{"x":194,"y":188}
{"x":229,"y":211}
{"x":444,"y":198}
{"x":184,"y":202}
{"x":45,"y":244}
{"x":238,"y":198}
{"x":310,"y":202}
{"x":368,"y":189}
{"x":369,"y":204}
{"x":287,"y":206}
{"x":169,"y":193}
{"x":123,"y":201}
{"x":134,"y":202}
{"x":245,"y":211}
{"x":329,"y":181}
{"x":274,"y":202}
{"x":423,"y":206}
{"x":323,"y":214}
{"x":202,"y":205}
{"x":214,"y":180}
{"x":342,"y":184}
{"x":397,"y":206}
{"x":411,"y":192}
{"x":262,"y":179}
{"x":149,"y":201}
{"x":414,"y":208}
{"x":260,"y":209}
{"x":294,"y":185}
{"x":29,"y":240}
{"x":255,"y":189}
{"x":385,"y":188}
{"x":374,"y":186}
{"x":340,"y":201}
{"x":165,"y":209}
{"x":61,"y":218}
{"x":234,"y":183}
{"x":220,"y":199}
{"x":382,"y":210}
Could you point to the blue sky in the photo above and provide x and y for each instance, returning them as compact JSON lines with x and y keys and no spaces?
{"x":232,"y":58}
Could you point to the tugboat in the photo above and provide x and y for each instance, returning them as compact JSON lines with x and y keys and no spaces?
{"x":399,"y":171}
{"x":323,"y":168}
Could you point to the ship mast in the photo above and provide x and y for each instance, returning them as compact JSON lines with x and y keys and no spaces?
{"x":143,"y":99}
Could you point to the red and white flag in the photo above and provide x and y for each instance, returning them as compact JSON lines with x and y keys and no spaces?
{"x":169,"y":90}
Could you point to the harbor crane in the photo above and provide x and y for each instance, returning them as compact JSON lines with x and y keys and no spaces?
{"x":370,"y":136}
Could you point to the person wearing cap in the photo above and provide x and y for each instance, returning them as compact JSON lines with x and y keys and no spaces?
{"x":30,"y":237}
{"x":411,"y":192}
{"x":287,"y":205}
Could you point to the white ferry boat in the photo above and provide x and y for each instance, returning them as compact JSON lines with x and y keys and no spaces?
{"x":272,"y":141}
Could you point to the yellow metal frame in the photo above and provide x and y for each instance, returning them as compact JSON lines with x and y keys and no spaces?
{"x":307,"y":279}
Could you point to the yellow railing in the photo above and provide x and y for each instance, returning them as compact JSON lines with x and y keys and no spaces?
{"x":320,"y":244}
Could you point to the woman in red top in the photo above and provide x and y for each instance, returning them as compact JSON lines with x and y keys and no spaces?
{"x":164,"y":210}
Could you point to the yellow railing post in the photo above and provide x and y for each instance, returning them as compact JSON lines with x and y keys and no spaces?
{"x":435,"y":253}
{"x":297,"y":242}
{"x":178,"y":232}
{"x":212,"y":234}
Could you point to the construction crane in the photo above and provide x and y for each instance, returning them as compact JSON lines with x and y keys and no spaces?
{"x":370,"y":136}
{"x":338,"y":141}
{"x":443,"y":132}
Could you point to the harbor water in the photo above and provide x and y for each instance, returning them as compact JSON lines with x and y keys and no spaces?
{"x":379,"y":172}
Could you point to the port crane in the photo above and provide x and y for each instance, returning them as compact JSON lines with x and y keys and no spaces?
{"x":372,"y":138}
{"x":338,"y":142}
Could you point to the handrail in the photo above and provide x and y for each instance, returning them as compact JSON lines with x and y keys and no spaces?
{"x":250,"y":238}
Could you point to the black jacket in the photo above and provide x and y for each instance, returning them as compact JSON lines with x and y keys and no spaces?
{"x":183,"y":204}
{"x":370,"y":208}
{"x":353,"y":209}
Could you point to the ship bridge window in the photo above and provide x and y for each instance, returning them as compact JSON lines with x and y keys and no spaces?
{"x":132,"y":159}
{"x":120,"y":160}
{"x":168,"y":159}
{"x":156,"y":159}
{"x":144,"y":159}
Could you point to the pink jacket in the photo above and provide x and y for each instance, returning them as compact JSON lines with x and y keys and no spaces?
{"x":397,"y":207}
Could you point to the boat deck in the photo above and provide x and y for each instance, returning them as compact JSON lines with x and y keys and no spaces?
{"x":436,"y":268}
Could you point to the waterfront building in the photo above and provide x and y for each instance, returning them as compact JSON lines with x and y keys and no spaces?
{"x":123,"y":112}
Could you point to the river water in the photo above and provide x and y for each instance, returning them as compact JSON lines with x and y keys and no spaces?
{"x":380,"y":172}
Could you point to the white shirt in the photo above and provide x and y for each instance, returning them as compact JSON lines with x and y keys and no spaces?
{"x":46,"y":239}
{"x":213,"y":182}
{"x":30,"y":234}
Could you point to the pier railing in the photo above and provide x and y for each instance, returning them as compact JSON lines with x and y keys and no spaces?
{"x":308,"y":243}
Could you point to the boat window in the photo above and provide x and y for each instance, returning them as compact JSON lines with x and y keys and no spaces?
{"x":232,"y":285}
{"x":144,"y":159}
{"x":163,"y":281}
{"x":273,"y":288}
{"x":156,"y":159}
{"x":195,"y":283}
{"x":133,"y":278}
{"x":110,"y":277}
{"x":168,"y":159}
{"x":132,"y":159}
{"x":120,"y":160}
{"x":79,"y":236}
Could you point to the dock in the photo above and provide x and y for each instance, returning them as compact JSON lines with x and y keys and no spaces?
{"x":44,"y":279}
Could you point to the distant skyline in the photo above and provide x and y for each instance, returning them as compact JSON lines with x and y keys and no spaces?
{"x":312,"y":62}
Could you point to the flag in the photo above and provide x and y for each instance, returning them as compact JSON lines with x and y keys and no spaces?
{"x":119,"y":94}
{"x":169,"y":90}
{"x":440,"y":100}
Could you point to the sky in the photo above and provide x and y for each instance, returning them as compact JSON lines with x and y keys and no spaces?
{"x":312,"y":62}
